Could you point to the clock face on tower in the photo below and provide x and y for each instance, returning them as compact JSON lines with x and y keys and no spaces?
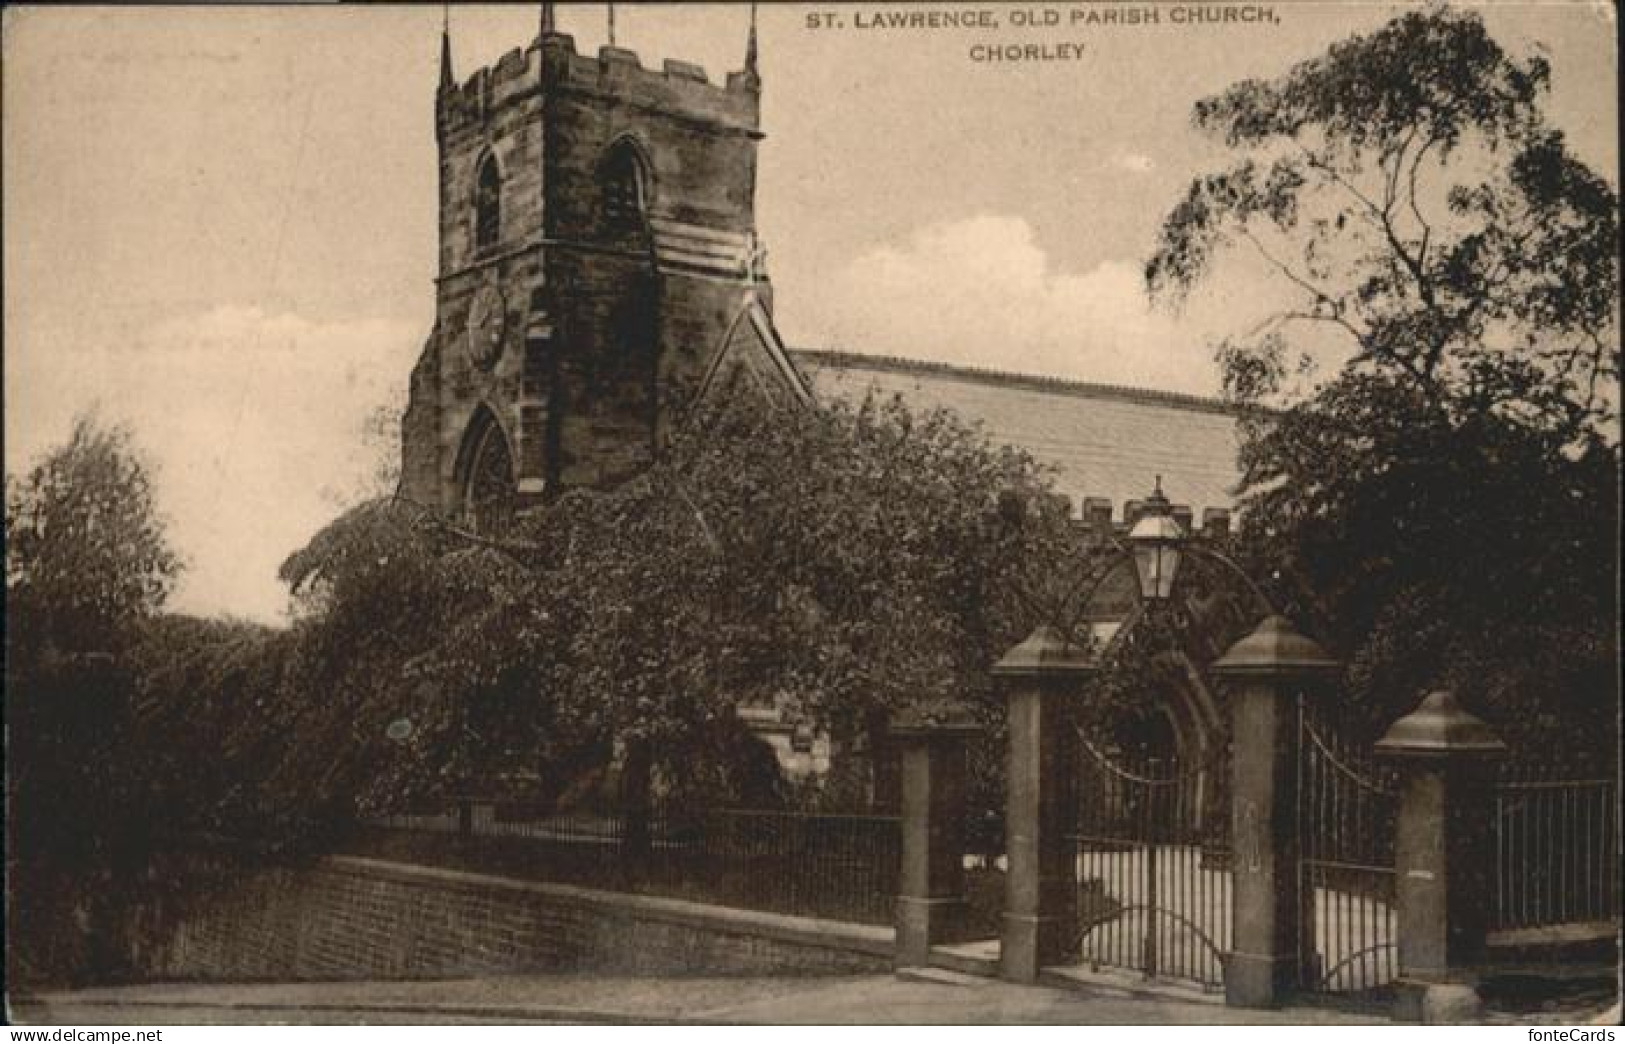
{"x":487,"y":327}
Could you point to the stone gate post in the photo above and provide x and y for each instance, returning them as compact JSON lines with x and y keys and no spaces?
{"x":931,"y":902}
{"x":1442,"y":856}
{"x":1041,"y":891}
{"x":1266,"y":669}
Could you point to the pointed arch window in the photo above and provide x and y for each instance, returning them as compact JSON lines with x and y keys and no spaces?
{"x":487,"y":204}
{"x":625,"y":186}
{"x":488,"y":476}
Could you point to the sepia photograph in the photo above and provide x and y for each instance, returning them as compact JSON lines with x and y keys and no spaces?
{"x":802,"y":514}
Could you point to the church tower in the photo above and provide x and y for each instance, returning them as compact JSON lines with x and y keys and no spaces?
{"x":599,"y":271}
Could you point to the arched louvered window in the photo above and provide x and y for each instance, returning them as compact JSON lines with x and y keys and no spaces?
{"x":487,"y":204}
{"x":625,"y":185}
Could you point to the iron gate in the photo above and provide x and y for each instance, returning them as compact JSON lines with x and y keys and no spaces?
{"x":1153,"y":863}
{"x":1347,"y":809}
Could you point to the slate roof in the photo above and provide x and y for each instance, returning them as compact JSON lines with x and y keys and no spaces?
{"x":1102,"y":440}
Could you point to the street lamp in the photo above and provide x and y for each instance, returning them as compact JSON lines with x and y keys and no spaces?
{"x":1156,"y":542}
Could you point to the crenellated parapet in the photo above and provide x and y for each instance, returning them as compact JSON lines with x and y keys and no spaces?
{"x":469,"y":105}
{"x":1095,"y":515}
{"x":678,"y":89}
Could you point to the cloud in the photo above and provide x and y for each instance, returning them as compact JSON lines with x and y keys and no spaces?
{"x":254,"y":422}
{"x":981,"y":292}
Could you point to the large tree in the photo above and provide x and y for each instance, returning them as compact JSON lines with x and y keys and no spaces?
{"x":86,"y":553}
{"x":842,"y":564}
{"x":1430,"y":460}
{"x":87,"y":563}
{"x":1409,"y":188}
{"x":845,"y":563}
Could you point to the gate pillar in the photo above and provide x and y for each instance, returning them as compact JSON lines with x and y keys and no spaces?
{"x":1041,"y":890}
{"x":1442,"y":856}
{"x":931,"y":902}
{"x":1266,"y":671}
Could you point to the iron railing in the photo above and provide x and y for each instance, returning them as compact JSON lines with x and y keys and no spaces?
{"x":836,"y":866}
{"x":818,"y":864}
{"x":1556,"y":853}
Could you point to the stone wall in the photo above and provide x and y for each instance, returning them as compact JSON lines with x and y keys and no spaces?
{"x":352,"y":918}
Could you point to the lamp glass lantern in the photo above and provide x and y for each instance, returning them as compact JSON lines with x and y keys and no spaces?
{"x":1157,"y":541}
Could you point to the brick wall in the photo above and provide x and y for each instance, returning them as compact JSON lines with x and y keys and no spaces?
{"x":351,"y":918}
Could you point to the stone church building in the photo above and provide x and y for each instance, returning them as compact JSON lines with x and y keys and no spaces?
{"x":600,"y":271}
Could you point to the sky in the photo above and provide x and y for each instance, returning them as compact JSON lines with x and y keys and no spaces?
{"x":220,"y":221}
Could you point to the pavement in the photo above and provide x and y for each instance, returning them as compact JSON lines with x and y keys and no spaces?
{"x":938,"y":999}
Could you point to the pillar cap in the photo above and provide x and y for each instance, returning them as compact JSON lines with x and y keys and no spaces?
{"x":1274,"y":649}
{"x":1045,"y":653}
{"x":1439,"y":727}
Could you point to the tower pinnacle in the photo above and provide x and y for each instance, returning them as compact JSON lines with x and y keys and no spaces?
{"x":550,"y":24}
{"x":446,"y":78}
{"x":750,"y":49}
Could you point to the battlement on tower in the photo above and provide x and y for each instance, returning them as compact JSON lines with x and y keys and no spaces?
{"x":1095,"y":515}
{"x":516,"y":75}
{"x":678,"y":89}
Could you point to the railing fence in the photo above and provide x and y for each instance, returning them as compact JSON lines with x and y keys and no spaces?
{"x":837,"y":866}
{"x":1556,"y":852}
